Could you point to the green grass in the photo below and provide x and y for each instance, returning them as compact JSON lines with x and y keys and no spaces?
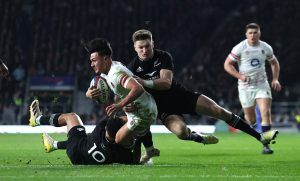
{"x":235,"y":157}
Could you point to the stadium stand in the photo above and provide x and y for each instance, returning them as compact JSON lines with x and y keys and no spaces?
{"x":42,"y":38}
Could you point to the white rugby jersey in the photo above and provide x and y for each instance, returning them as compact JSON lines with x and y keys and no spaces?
{"x":251,"y":61}
{"x":117,"y":79}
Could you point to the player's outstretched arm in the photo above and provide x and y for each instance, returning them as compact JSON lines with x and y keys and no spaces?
{"x":162,"y":83}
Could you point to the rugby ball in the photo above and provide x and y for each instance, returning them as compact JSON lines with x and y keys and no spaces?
{"x":100,"y":83}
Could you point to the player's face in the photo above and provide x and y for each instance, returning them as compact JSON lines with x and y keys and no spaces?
{"x":98,"y":63}
{"x":253,"y":36}
{"x":144,"y":49}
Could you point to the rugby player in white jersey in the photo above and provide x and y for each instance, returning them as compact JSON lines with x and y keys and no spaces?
{"x":251,"y":55}
{"x":120,"y":81}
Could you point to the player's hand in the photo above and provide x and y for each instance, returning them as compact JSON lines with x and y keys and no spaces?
{"x":139,"y":80}
{"x":112,"y":109}
{"x":3,"y":70}
{"x":129,"y":108}
{"x":93,"y":93}
{"x":245,"y":78}
{"x":276,"y":85}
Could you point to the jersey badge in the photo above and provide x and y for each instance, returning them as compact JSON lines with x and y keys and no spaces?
{"x":139,"y":69}
{"x":80,"y":129}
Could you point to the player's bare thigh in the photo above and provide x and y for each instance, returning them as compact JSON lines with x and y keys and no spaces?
{"x":250,"y":115}
{"x":264,"y":105}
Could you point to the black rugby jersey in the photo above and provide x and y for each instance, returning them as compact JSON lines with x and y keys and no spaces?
{"x":165,"y":99}
{"x":99,"y":150}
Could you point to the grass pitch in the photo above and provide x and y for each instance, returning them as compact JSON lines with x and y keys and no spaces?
{"x":235,"y":157}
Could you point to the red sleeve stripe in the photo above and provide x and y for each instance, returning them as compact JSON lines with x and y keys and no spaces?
{"x":123,"y":79}
{"x":234,"y":56}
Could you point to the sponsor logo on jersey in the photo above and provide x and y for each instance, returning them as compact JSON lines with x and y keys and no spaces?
{"x":139,"y":69}
{"x":151,"y":74}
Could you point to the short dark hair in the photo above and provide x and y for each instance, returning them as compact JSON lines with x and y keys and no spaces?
{"x":113,"y":125}
{"x":252,"y":26}
{"x":141,"y":35}
{"x":100,"y":45}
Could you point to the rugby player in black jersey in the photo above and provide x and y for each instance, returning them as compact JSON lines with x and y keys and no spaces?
{"x":154,"y":70}
{"x":86,"y":149}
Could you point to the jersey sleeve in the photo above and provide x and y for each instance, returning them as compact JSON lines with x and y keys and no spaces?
{"x":269,"y":51}
{"x":167,"y":62}
{"x":235,"y":53}
{"x":122,"y":78}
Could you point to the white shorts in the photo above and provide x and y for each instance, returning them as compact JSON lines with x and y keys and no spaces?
{"x":248,"y":96}
{"x":140,"y":120}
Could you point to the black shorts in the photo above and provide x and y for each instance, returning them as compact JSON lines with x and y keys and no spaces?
{"x":77,"y":139}
{"x":177,"y":103}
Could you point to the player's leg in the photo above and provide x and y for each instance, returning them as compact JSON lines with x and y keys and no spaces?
{"x":37,"y":118}
{"x":125,"y":137}
{"x":210,"y":108}
{"x":150,"y":150}
{"x":50,"y":144}
{"x":147,"y":141}
{"x":250,"y":115}
{"x":264,"y":105}
{"x":176,"y":125}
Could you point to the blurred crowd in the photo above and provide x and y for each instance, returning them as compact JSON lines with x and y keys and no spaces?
{"x":45,"y":38}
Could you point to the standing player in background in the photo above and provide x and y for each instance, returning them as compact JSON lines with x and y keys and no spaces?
{"x":251,"y":55}
{"x":3,"y":69}
{"x":154,"y":70}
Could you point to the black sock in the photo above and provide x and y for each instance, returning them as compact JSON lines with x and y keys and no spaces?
{"x":147,"y":139}
{"x":265,"y":128}
{"x":50,"y":120}
{"x":62,"y":145}
{"x":238,"y":123}
{"x":193,"y":136}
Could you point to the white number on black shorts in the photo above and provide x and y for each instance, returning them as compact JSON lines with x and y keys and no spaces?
{"x":97,"y":155}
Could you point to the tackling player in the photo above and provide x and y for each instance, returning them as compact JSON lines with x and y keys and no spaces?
{"x":96,"y":148}
{"x":251,"y":55}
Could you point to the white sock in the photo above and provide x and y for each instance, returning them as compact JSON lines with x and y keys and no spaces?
{"x":55,"y":144}
{"x":37,"y":121}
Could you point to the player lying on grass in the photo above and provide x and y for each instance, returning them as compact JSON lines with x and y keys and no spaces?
{"x":96,"y":148}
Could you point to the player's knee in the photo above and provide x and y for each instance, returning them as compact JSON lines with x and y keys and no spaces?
{"x":181,"y":131}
